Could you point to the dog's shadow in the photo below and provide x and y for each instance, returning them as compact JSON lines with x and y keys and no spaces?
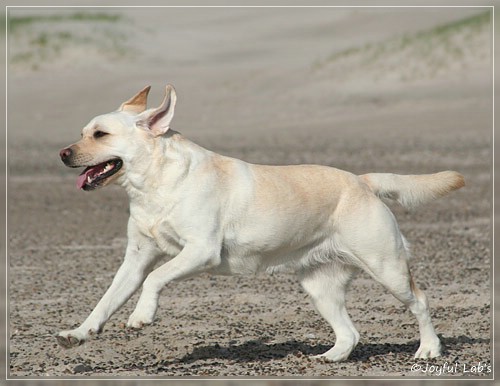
{"x":259,"y":350}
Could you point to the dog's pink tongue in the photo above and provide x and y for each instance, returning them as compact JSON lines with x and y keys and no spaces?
{"x":82,"y":179}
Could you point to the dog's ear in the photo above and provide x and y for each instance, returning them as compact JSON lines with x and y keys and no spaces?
{"x":136,"y":104}
{"x":158,"y":120}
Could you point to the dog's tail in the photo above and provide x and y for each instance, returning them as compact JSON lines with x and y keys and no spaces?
{"x":413,"y":190}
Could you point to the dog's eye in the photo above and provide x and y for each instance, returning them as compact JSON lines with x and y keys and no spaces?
{"x":99,"y":134}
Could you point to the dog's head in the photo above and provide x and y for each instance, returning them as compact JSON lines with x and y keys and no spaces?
{"x":111,"y":141}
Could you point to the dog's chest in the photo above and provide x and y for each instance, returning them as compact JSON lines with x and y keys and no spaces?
{"x":157,"y":227}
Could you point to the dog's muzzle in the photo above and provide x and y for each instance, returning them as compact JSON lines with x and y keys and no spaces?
{"x":94,"y":175}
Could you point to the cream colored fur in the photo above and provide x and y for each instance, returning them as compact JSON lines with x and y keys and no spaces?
{"x":207,"y":212}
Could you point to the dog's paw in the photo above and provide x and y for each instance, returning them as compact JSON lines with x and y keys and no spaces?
{"x":428,"y":351}
{"x":137,"y":320}
{"x":331,"y":357}
{"x":68,"y":339}
{"x":340,"y":351}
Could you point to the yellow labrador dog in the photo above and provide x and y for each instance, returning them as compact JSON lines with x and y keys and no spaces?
{"x":207,"y":212}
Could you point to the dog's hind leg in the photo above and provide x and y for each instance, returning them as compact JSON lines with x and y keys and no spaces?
{"x":377,"y":246}
{"x":326,"y":284}
{"x":430,"y":346}
{"x":394,"y":275}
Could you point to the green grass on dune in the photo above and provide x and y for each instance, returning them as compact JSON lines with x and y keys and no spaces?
{"x":423,"y":41}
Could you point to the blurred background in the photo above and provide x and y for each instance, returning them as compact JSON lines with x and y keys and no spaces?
{"x":241,"y":72}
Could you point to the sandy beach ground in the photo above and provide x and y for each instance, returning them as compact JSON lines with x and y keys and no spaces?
{"x":362,"y":89}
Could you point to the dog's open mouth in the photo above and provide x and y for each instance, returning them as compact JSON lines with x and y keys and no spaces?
{"x":94,"y":176}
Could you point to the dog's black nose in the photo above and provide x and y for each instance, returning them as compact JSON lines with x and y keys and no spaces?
{"x":65,"y":154}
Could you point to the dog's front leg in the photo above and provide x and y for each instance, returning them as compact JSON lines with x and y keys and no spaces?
{"x":139,"y":260}
{"x":193,"y":259}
